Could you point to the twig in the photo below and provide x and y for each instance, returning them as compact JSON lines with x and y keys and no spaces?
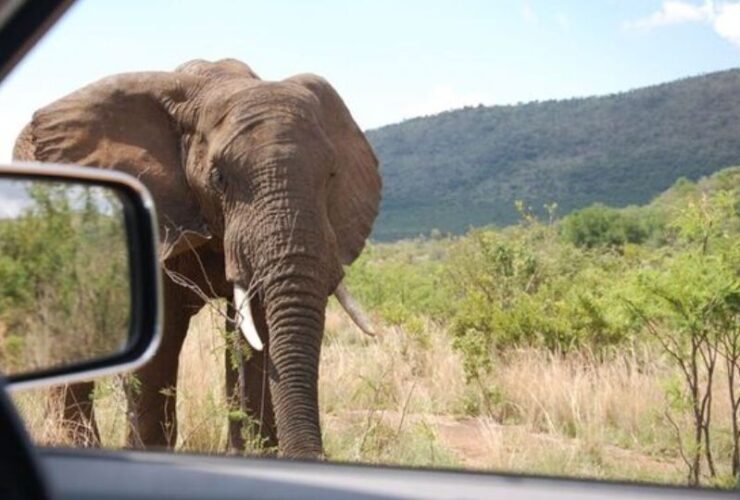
{"x":405,"y":407}
{"x":668,"y":417}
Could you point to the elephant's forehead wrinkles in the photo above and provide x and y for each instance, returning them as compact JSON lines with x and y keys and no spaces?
{"x":268,"y":96}
{"x":267,"y":119}
{"x":230,"y":104}
{"x":269,"y":113}
{"x":260,"y":138}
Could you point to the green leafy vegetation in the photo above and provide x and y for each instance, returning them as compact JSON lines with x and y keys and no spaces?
{"x":662,"y":278}
{"x":603,"y":344}
{"x":467,"y":167}
{"x":64,"y":293}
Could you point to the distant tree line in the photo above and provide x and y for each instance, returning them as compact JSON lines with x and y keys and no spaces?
{"x":467,"y":167}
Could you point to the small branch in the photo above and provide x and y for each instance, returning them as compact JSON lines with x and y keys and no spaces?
{"x":675,"y":426}
{"x":405,"y":407}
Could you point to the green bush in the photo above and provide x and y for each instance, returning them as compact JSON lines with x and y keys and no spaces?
{"x":558,"y":285}
{"x":601,"y":226}
{"x":63,"y":278}
{"x":402,"y":280}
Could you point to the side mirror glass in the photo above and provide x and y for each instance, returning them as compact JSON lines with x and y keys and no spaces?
{"x":79,"y":289}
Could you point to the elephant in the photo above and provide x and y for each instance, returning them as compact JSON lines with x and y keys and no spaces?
{"x":264,"y":191}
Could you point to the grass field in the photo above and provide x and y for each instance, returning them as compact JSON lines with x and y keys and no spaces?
{"x":605,"y":345}
{"x":402,"y":399}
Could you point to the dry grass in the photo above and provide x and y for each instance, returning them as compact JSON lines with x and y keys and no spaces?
{"x":201,"y":402}
{"x":577,"y":396}
{"x":402,"y":398}
{"x":536,"y":413}
{"x":418,"y":370}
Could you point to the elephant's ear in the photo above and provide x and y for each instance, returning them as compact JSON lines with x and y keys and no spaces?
{"x":354,"y":193}
{"x":125,"y":122}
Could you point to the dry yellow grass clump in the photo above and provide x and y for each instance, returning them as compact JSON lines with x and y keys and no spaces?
{"x":402,"y":398}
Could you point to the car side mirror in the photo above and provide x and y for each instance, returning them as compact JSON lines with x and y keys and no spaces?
{"x":79,"y":280}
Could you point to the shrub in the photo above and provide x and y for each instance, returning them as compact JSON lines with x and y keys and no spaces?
{"x":601,"y":226}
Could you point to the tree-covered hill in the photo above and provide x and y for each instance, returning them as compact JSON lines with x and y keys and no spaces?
{"x":467,"y":167}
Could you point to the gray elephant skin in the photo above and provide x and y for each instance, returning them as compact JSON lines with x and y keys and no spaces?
{"x":264,"y":191}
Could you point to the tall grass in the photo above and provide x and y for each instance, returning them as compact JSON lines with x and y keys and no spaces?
{"x":402,"y":398}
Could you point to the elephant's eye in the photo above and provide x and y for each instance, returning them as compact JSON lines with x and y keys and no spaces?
{"x":217,"y":179}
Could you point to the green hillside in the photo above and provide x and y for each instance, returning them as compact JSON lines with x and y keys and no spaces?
{"x":467,"y":167}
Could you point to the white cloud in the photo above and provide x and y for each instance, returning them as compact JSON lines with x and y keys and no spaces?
{"x":528,"y":13}
{"x":675,"y":12}
{"x":562,"y":20}
{"x":722,"y":17}
{"x":443,"y":98}
{"x":727,"y":22}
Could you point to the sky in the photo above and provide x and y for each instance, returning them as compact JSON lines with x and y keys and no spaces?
{"x":13,"y":197}
{"x":389,"y":59}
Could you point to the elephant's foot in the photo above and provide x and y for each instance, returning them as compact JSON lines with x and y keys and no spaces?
{"x":151,"y":412}
{"x":151,"y":391}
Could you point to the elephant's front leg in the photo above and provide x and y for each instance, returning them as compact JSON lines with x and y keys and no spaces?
{"x":151,"y":390}
{"x":73,"y":405}
{"x":248,"y":388}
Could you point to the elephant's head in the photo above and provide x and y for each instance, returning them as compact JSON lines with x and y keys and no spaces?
{"x":276,"y":172}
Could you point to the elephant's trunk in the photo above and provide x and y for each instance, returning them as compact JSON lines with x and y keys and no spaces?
{"x":295,"y":307}
{"x":288,"y":266}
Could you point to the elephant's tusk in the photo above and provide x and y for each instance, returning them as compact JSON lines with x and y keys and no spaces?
{"x":244,"y":319}
{"x":350,"y":305}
